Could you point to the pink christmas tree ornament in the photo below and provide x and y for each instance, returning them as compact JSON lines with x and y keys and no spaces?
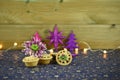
{"x":35,"y":46}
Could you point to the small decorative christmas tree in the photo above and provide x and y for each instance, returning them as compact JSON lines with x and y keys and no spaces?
{"x":35,"y":46}
{"x":71,"y":44}
{"x":56,"y":37}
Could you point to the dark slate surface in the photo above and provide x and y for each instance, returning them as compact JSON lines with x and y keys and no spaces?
{"x":89,"y":67}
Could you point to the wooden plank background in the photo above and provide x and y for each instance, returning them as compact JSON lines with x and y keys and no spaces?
{"x":94,"y":21}
{"x":68,"y":12}
{"x":98,"y":36}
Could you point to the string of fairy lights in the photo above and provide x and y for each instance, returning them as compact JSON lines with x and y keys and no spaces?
{"x":85,"y":50}
{"x":103,"y":51}
{"x":12,"y":47}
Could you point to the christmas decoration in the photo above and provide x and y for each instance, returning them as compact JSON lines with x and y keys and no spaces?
{"x":31,"y":61}
{"x":35,"y":46}
{"x":63,"y":57}
{"x":45,"y":59}
{"x":71,"y":44}
{"x":56,"y":37}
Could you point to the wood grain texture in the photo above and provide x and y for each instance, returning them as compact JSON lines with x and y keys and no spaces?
{"x":69,"y":12}
{"x":91,"y":20}
{"x":97,"y":36}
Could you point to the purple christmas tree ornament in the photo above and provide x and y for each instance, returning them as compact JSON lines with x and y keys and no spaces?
{"x":71,"y":43}
{"x":56,"y":37}
{"x":35,"y":46}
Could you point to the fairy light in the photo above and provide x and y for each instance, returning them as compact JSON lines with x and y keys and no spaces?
{"x":51,"y":51}
{"x":104,"y":54}
{"x":85,"y":50}
{"x":76,"y":51}
{"x":104,"y":51}
{"x":1,"y":46}
{"x":15,"y":44}
{"x":65,"y":49}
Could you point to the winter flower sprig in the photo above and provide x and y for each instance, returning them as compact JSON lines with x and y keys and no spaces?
{"x":35,"y":46}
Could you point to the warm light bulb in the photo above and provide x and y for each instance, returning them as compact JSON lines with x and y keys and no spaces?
{"x":51,"y":51}
{"x":15,"y":44}
{"x":65,"y":49}
{"x":104,"y":51}
{"x":1,"y":46}
{"x":76,"y":50}
{"x":85,"y":50}
{"x":104,"y":54}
